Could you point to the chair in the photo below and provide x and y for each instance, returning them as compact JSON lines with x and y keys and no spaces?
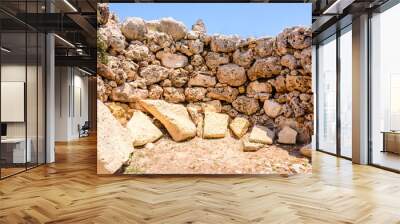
{"x":84,"y":130}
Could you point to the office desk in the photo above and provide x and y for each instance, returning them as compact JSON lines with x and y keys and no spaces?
{"x":16,"y":148}
{"x":391,"y":141}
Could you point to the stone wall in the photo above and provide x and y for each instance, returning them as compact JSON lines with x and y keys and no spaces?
{"x":266,"y":80}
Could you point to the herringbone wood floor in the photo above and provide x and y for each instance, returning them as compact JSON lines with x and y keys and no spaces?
{"x":69,"y":191}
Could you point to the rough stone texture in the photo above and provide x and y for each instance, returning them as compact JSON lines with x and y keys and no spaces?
{"x":202,"y":80}
{"x":142,"y":130}
{"x":239,"y":126}
{"x":163,"y":60}
{"x":287,"y":136}
{"x":195,"y":112}
{"x":154,"y":73}
{"x":226,"y":93}
{"x":134,"y":28}
{"x":264,"y":68}
{"x":260,"y":134}
{"x":112,"y":150}
{"x":272,"y":108}
{"x":174,"y":117}
{"x":172,"y":60}
{"x":215,"y":125}
{"x":231,"y":74}
{"x":248,"y":146}
{"x":246,"y":105}
{"x":222,"y":43}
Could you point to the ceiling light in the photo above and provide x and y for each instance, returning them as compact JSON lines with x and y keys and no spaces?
{"x":65,"y":41}
{"x":70,"y":5}
{"x":5,"y":50}
{"x":86,"y":72}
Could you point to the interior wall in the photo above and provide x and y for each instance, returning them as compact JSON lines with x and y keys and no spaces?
{"x":71,"y":102}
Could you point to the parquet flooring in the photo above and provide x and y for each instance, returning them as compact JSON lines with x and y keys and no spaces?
{"x":69,"y":191}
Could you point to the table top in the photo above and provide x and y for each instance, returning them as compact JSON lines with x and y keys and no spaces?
{"x":391,"y":132}
{"x":13,"y":140}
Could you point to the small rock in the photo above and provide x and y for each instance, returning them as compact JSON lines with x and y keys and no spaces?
{"x":222,"y":43}
{"x":226,"y":93}
{"x":272,"y":108}
{"x":261,"y":134}
{"x":174,"y":95}
{"x":154,"y":73}
{"x":248,"y":146}
{"x":134,"y":28}
{"x":212,"y":106}
{"x":176,"y":29}
{"x":194,"y":94}
{"x":172,"y":60}
{"x":287,"y":136}
{"x":239,"y":126}
{"x":264,"y":68}
{"x":213,"y":59}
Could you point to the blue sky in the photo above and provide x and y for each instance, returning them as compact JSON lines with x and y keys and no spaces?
{"x":244,"y":19}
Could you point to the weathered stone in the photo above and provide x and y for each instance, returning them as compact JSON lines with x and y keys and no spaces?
{"x":264,"y":68}
{"x":226,"y":93}
{"x":137,"y":51}
{"x":272,"y":108}
{"x":228,"y":109}
{"x":215,"y":125}
{"x":231,"y":74}
{"x":258,"y":89}
{"x":287,"y":136}
{"x":300,"y":38}
{"x":248,"y":146}
{"x":179,"y":77}
{"x":243,"y":58}
{"x":128,"y":93}
{"x":112,"y":37}
{"x":289,"y":61}
{"x":197,"y":117}
{"x":130,"y":68}
{"x":134,"y":28}
{"x":300,"y":83}
{"x":190,"y":47}
{"x":105,"y":71}
{"x":213,"y":60}
{"x":202,"y":80}
{"x":172,"y":60}
{"x":103,"y":13}
{"x":196,"y":60}
{"x":261,"y":134}
{"x":222,"y":43}
{"x":154,"y":73}
{"x":160,"y":39}
{"x":246,"y":105}
{"x":306,"y":151}
{"x":142,"y":130}
{"x":113,"y":150}
{"x":194,"y":94}
{"x":239,"y":126}
{"x":199,"y":26}
{"x":101,"y":90}
{"x":174,"y":117}
{"x":155,"y":92}
{"x":264,"y":46}
{"x":212,"y":106}
{"x":174,"y":95}
{"x":176,"y":29}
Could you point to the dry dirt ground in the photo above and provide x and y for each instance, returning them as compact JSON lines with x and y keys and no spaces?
{"x":214,"y":156}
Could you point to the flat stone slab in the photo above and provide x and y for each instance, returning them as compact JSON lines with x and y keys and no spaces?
{"x":142,"y":129}
{"x":261,"y":134}
{"x":114,"y":145}
{"x":215,"y":125}
{"x":248,"y":146}
{"x":174,"y":117}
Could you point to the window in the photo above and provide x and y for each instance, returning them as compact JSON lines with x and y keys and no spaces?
{"x":385,"y":89}
{"x":327,"y":95}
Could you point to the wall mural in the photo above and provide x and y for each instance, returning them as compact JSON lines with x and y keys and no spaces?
{"x":173,"y":100}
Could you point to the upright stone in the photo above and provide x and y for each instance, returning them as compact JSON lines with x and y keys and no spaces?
{"x":142,"y":129}
{"x":215,"y":125}
{"x":114,"y":144}
{"x":239,"y":126}
{"x":287,"y":136}
{"x":261,"y":134}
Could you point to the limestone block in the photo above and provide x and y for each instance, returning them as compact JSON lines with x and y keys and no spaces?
{"x":261,"y":134}
{"x":142,"y":129}
{"x":239,"y":126}
{"x":215,"y":125}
